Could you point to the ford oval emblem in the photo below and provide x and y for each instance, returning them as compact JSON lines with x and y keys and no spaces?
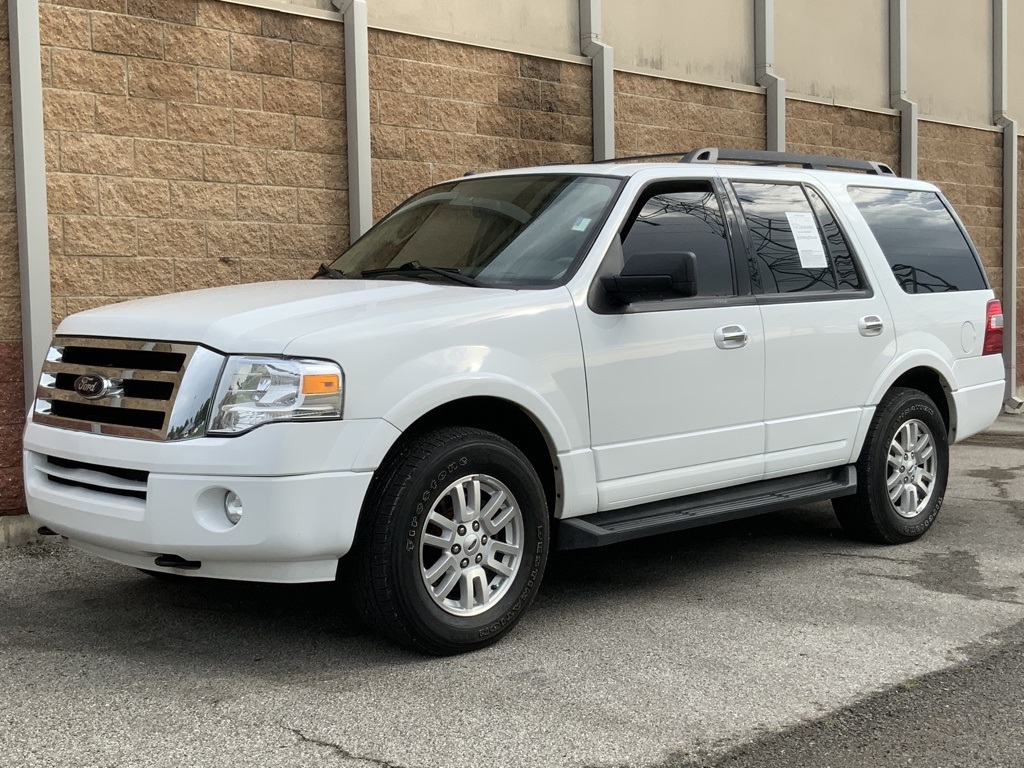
{"x":93,"y":386}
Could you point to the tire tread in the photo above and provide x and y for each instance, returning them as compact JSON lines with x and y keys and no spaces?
{"x":375,"y":595}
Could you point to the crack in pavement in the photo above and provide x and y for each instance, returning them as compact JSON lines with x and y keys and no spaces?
{"x":339,"y":750}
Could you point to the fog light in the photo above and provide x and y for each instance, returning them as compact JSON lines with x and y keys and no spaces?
{"x":233,"y":507}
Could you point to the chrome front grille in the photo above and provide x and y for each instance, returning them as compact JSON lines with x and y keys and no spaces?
{"x":149,"y":390}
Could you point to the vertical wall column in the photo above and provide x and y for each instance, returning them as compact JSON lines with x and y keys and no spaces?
{"x":764,"y":74}
{"x":1000,"y":105}
{"x":357,"y":100}
{"x":602,"y":59}
{"x":898,"y":88}
{"x":30,"y":185}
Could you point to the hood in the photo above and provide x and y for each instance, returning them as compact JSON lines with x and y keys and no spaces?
{"x":262,"y":318}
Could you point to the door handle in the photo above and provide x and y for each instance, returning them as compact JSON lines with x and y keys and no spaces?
{"x":731,"y":337}
{"x":870,"y":325}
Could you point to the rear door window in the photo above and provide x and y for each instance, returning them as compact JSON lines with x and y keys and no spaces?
{"x":925,"y":247}
{"x":791,"y":253}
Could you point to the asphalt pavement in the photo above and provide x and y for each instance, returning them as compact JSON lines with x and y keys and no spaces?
{"x":774,"y":641}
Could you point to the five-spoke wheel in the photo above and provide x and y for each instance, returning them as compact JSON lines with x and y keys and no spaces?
{"x":901,"y":473}
{"x":453,"y":543}
{"x":472,"y":546}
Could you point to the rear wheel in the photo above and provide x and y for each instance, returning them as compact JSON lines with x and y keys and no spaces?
{"x":453,"y":542}
{"x":901,"y":473}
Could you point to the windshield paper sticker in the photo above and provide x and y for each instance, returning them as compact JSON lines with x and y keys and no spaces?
{"x":807,"y":241}
{"x":581,"y":225}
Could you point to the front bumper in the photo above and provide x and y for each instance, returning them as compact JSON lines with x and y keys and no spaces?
{"x":295,"y":526}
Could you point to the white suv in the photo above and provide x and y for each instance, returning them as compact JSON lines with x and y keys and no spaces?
{"x":566,"y":356}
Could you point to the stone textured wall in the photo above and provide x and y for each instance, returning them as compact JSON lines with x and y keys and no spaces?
{"x":439,"y":109}
{"x":189,"y":144}
{"x":10,"y":290}
{"x":12,"y":422}
{"x":654,"y":114}
{"x":824,"y":129}
{"x":967,"y":165}
{"x":12,"y":400}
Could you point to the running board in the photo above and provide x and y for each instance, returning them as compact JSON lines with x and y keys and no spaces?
{"x":705,"y":508}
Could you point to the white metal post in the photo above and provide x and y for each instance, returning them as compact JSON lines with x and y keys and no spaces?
{"x":30,"y":185}
{"x":357,"y":100}
{"x":602,"y":59}
{"x":898,"y":88}
{"x":766,"y":77}
{"x":1011,"y":211}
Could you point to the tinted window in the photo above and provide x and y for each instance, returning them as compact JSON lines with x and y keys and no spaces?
{"x":680,"y":218}
{"x":839,"y":250}
{"x":780,"y":263}
{"x":925,"y":248}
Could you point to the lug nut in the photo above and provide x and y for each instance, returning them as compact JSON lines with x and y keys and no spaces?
{"x":462,"y":530}
{"x":456,"y":549}
{"x":483,"y":539}
{"x":479,"y":558}
{"x":476,"y":525}
{"x":465,"y":562}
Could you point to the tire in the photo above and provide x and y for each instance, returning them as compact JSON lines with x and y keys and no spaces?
{"x":452,"y":544}
{"x":901,"y":473}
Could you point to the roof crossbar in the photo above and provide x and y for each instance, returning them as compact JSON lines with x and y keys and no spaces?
{"x":761,"y":157}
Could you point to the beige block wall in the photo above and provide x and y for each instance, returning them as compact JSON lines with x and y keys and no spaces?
{"x":654,"y":114}
{"x":966,"y":164}
{"x":189,"y":144}
{"x":439,"y":109}
{"x":10,"y":290}
{"x":824,"y":129}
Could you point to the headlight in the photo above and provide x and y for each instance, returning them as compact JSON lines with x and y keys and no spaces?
{"x":257,"y":390}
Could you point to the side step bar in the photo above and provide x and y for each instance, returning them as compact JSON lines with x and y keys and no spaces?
{"x":705,"y":508}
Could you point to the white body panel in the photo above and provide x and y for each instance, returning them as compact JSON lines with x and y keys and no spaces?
{"x":671,"y":413}
{"x":635,"y":407}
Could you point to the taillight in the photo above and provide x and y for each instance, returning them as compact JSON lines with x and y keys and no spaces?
{"x":993,"y":329}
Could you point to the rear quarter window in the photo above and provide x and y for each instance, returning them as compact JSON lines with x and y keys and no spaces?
{"x":925,"y":247}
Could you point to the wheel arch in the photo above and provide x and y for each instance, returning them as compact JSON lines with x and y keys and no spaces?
{"x":508,"y":420}
{"x":928,"y":375}
{"x":934,"y":384}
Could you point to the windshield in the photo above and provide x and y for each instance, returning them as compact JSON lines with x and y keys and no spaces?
{"x":509,"y":231}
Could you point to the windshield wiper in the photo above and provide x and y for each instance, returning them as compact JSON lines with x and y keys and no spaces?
{"x":451,"y":273}
{"x":330,"y":272}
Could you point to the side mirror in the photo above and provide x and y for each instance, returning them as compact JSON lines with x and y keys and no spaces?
{"x":653,"y":277}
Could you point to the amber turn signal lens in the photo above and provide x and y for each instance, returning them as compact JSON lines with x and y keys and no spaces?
{"x":323,"y":384}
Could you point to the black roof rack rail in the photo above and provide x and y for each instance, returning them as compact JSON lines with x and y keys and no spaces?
{"x":761,"y":157}
{"x":638,"y":157}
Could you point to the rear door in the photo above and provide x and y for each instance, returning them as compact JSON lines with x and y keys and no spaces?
{"x":675,"y":385}
{"x":828,"y":333}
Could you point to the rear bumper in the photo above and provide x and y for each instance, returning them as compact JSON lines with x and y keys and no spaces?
{"x":979,"y":398}
{"x":977,"y":408}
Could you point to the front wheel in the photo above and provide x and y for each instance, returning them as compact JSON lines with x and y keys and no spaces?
{"x":901,"y":473}
{"x":453,"y":543}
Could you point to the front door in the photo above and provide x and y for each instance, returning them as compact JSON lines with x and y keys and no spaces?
{"x":675,"y":386}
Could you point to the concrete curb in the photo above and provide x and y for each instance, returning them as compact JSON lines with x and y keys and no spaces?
{"x":18,"y":530}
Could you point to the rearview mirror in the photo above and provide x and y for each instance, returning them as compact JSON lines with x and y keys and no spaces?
{"x":653,"y":277}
